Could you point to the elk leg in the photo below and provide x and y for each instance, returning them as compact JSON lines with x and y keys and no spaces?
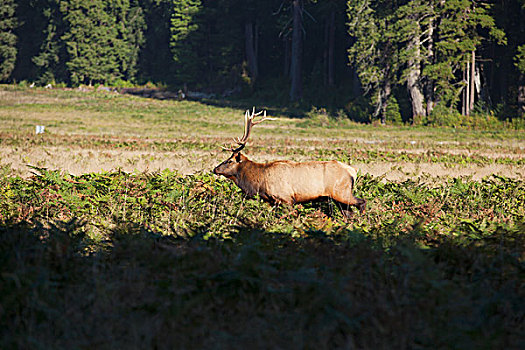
{"x":345,"y":209}
{"x":347,"y":214}
{"x":347,"y":199}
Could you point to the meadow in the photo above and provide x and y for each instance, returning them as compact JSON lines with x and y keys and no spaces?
{"x":115,"y":234}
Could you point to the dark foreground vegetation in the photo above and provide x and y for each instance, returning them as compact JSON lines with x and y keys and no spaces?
{"x":116,"y":260}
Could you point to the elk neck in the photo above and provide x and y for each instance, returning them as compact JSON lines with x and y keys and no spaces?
{"x":250,"y":176}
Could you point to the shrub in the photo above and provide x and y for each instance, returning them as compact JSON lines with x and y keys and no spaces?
{"x":358,"y":110}
{"x":393,"y":116}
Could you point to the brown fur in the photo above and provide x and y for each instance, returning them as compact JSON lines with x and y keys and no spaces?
{"x":293,"y":182}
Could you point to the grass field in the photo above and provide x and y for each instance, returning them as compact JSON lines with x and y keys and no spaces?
{"x":115,"y":234}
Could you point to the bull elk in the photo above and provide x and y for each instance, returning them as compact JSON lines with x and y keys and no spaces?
{"x":289,"y":182}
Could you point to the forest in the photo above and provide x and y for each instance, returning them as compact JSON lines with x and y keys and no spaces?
{"x":392,"y":61}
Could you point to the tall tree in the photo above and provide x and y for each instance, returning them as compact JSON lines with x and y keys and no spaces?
{"x":226,"y":54}
{"x":130,"y":25}
{"x":413,"y":49}
{"x":251,"y":44}
{"x":425,"y":45}
{"x":373,"y":53}
{"x":330,"y":36}
{"x":102,"y":39}
{"x":50,"y":60}
{"x":296,"y":89}
{"x":331,"y":12}
{"x":187,"y":39}
{"x":520,"y":65}
{"x":252,"y":16}
{"x":463,"y":25}
{"x":207,"y":49}
{"x":7,"y":38}
{"x":155,"y":59}
{"x":31,"y":32}
{"x":90,"y":40}
{"x":414,"y":26}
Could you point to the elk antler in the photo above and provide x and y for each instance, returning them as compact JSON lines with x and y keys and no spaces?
{"x":249,"y":122}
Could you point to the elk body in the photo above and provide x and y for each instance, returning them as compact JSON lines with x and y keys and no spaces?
{"x":290,"y":182}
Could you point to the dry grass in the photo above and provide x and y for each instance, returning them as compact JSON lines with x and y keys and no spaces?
{"x":90,"y":131}
{"x":79,"y":161}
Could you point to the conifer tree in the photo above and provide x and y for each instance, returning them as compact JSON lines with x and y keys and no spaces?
{"x":413,"y":30}
{"x":461,"y":30}
{"x":373,"y":53}
{"x":7,"y":38}
{"x":90,"y":41}
{"x":251,"y":38}
{"x":412,"y":51}
{"x":187,"y":39}
{"x":520,"y":65}
{"x":155,"y":58}
{"x":102,"y":39}
{"x":296,"y":88}
{"x":207,"y":42}
{"x":520,"y":59}
{"x":423,"y":45}
{"x":130,"y":24}
{"x":51,"y":58}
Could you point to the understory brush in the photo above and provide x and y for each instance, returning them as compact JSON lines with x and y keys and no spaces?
{"x":118,"y":260}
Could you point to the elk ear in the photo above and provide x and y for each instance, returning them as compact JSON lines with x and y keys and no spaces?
{"x":238,"y":157}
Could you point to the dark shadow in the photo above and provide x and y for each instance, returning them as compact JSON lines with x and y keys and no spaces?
{"x":133,"y":286}
{"x":179,"y":95}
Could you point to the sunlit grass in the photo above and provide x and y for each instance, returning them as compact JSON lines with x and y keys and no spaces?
{"x":111,"y":113}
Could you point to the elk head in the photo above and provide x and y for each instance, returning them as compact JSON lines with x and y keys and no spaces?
{"x":230,"y":167}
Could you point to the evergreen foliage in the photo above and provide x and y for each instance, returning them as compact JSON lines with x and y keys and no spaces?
{"x":187,"y":37}
{"x":520,"y":59}
{"x":102,"y":39}
{"x":424,"y":44}
{"x":459,"y":33}
{"x":7,"y":38}
{"x":207,"y":49}
{"x":52,"y":48}
{"x":373,"y":52}
{"x":155,"y":59}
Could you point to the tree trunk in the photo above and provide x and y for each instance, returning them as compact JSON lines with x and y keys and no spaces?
{"x":384,"y":102}
{"x":251,"y":50}
{"x":331,"y":45}
{"x":467,"y":91}
{"x":295,"y":69}
{"x":521,"y":94}
{"x":413,"y":79}
{"x":464,"y":95}
{"x":356,"y":84}
{"x":286,"y":63}
{"x":429,"y":86}
{"x":325,"y":53}
{"x":472,"y":81}
{"x":521,"y":78}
